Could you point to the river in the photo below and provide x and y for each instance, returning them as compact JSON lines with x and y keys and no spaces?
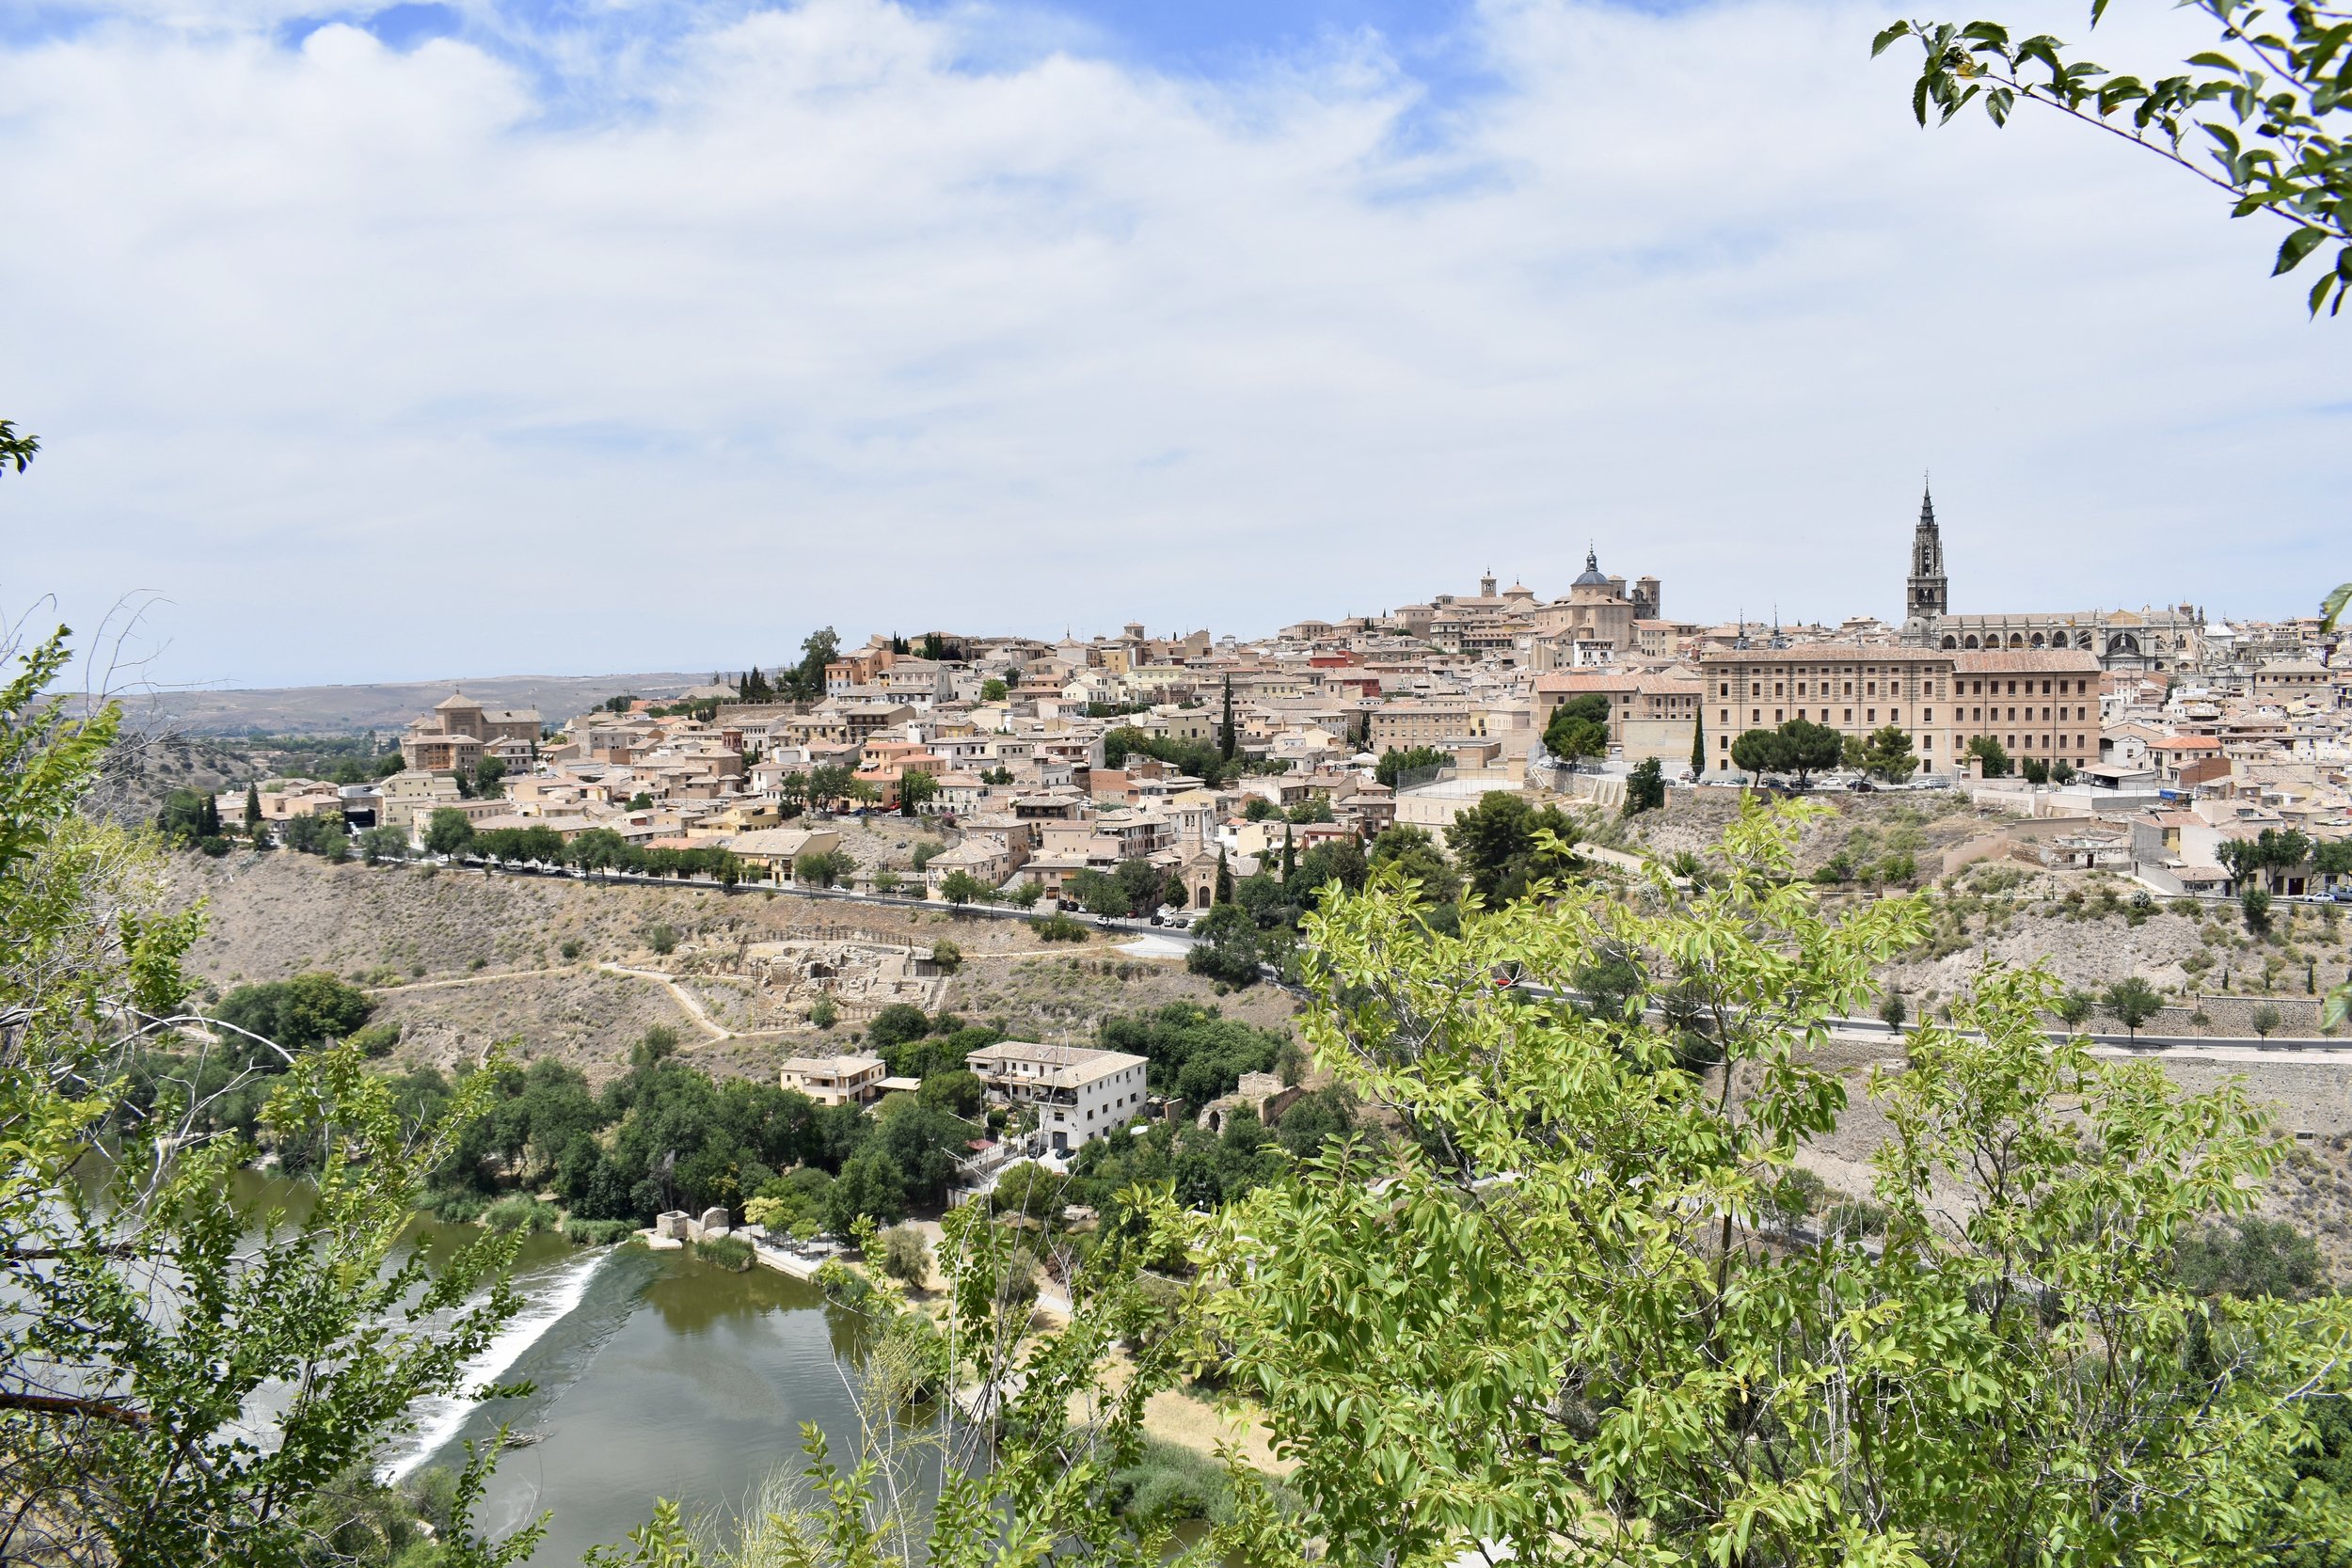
{"x":655,"y":1376}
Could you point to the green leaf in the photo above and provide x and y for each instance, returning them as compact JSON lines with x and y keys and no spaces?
{"x":1878,"y":44}
{"x":2295,"y":247}
{"x":2330,"y":610}
{"x":2214,"y":61}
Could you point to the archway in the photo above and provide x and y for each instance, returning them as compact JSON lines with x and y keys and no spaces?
{"x":1972,"y":641}
{"x":2038,"y":641}
{"x":2017,"y":640}
{"x":1950,"y":642}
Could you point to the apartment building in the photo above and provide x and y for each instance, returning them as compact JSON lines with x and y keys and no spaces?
{"x":836,"y":1080}
{"x":1078,"y":1093}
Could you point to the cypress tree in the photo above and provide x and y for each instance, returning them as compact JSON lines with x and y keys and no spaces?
{"x":1224,"y":894}
{"x":212,"y":816}
{"x":252,"y":805}
{"x":1290,"y":856}
{"x":1227,"y":742}
{"x":1699,"y":746}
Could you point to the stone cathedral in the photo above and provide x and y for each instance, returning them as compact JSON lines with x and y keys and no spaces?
{"x":2149,"y":639}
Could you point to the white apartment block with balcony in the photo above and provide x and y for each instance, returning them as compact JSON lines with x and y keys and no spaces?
{"x":1079,"y":1094}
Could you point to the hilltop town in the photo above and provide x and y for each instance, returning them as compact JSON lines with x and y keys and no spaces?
{"x":2188,"y":755}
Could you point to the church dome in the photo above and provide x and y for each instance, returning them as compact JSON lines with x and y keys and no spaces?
{"x":1592,"y":576}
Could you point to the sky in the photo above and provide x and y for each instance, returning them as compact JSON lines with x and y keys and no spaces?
{"x":585,"y":335}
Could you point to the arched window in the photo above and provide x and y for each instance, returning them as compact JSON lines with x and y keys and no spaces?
{"x":1972,"y":641}
{"x":2017,"y":640}
{"x":1951,"y":641}
{"x":2038,"y":641}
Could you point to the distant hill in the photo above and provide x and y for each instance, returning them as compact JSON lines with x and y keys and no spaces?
{"x":330,"y":709}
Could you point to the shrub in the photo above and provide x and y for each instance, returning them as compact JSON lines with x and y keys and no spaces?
{"x":2266,"y":1019}
{"x":906,"y":1257}
{"x":519,"y":1212}
{"x":376,"y":1040}
{"x":571,"y":948}
{"x":1059,"y":928}
{"x":597,"y":1232}
{"x":1854,"y":1217}
{"x":456,"y":1207}
{"x":732,"y":1253}
{"x":947,"y":955}
{"x":662,"y":940}
{"x":824,"y":1012}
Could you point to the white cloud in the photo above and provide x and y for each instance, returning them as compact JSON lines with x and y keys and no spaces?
{"x":587,"y":354}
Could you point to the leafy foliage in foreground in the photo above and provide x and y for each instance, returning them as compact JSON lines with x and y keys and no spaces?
{"x":183,"y":1379}
{"x":2256,"y":117}
{"x":1555,"y":1323}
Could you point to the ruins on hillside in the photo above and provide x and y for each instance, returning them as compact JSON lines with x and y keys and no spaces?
{"x":861,"y":971}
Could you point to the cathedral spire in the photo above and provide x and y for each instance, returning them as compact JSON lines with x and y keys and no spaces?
{"x":1927,"y":595}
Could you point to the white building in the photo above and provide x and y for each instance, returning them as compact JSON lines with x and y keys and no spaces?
{"x":1079,"y":1094}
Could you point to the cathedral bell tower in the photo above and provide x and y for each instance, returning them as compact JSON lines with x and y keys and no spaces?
{"x":1928,"y":596}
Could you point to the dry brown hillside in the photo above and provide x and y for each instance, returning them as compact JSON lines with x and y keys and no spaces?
{"x":462,"y":959}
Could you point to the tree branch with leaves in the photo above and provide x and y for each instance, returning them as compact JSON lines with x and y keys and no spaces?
{"x":2256,"y":117}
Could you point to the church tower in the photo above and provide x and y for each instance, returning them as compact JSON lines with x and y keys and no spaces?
{"x":1930,"y":596}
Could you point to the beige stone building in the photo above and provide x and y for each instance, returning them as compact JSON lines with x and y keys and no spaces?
{"x":1652,"y":714}
{"x":1411,"y":722}
{"x":836,"y":1080}
{"x":2042,"y":703}
{"x":459,"y":732}
{"x":1852,"y":688}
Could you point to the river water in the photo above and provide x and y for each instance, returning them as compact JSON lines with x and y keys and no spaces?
{"x":655,"y":1376}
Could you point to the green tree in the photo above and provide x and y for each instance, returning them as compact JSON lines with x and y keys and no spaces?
{"x":153,"y":1308}
{"x":1578,"y":728}
{"x":380,"y":844}
{"x":2074,"y":1008}
{"x":1418,"y":860}
{"x":1644,"y":788}
{"x":961,"y":887}
{"x":817,"y":649}
{"x":449,"y":832}
{"x":487,"y":774}
{"x":1699,"y":746}
{"x":869,"y":1186}
{"x":1759,"y":752}
{"x":1809,"y":748}
{"x":1995,"y":759}
{"x":16,"y":450}
{"x":1393,"y":762}
{"x":1499,"y":843}
{"x":1887,"y":754}
{"x":1229,"y":949}
{"x":2255,"y":902}
{"x":252,"y":807}
{"x":1561,"y":1258}
{"x":993,"y":691}
{"x":916,"y":789}
{"x":2132,"y":1001}
{"x":823,"y":867}
{"x":2267,"y":98}
{"x":1228,"y":734}
{"x":2266,"y":1019}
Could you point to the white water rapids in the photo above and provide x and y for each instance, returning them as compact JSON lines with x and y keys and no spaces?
{"x":549,"y":1298}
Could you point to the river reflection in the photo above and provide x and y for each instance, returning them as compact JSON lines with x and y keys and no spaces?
{"x":665,"y":1378}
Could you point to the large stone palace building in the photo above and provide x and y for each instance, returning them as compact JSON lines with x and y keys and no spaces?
{"x":2036,"y":702}
{"x":2149,"y":639}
